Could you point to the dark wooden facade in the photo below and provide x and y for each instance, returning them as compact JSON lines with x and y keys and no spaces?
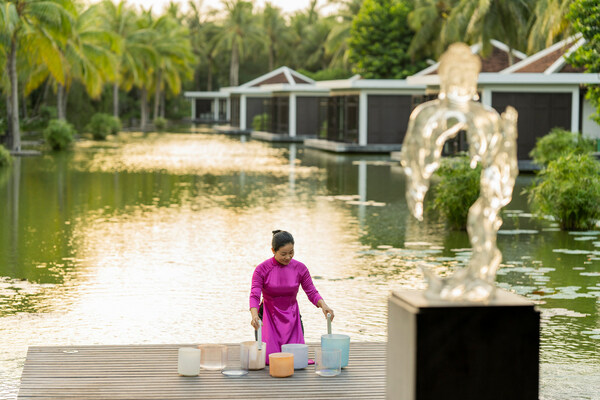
{"x":278,"y":114}
{"x":388,"y":118}
{"x":205,"y":110}
{"x":222,"y":109}
{"x":234,"y":103}
{"x":307,"y":115}
{"x":254,"y":107}
{"x":538,"y":114}
{"x":341,"y":119}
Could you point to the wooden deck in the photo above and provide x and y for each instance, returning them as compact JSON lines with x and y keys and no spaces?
{"x":150,"y":372}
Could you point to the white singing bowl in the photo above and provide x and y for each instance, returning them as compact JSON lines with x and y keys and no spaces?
{"x":300,"y":352}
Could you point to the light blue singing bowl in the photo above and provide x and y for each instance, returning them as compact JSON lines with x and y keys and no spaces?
{"x":336,"y":341}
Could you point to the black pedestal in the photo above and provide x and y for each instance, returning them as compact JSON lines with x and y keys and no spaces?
{"x":463,"y":351}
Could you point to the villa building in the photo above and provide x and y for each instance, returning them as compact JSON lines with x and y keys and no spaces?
{"x":371,"y":115}
{"x":545,"y":90}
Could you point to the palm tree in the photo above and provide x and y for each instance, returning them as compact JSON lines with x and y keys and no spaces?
{"x":239,"y":31}
{"x":34,"y":27}
{"x":310,"y":38}
{"x":90,"y":57}
{"x":275,"y":30}
{"x":140,"y":73}
{"x":174,"y":58}
{"x":135,"y":47}
{"x":337,"y":40}
{"x":548,"y":23}
{"x":479,"y":21}
{"x":204,"y":39}
{"x":427,"y":21}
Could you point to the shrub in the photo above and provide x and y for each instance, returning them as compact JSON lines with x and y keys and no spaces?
{"x":5,"y":157}
{"x":59,"y":134}
{"x":568,"y":189}
{"x":456,"y":191}
{"x":259,"y":122}
{"x":48,"y":113}
{"x":557,"y":143}
{"x":101,"y":125}
{"x":323,"y":130}
{"x":160,"y":123}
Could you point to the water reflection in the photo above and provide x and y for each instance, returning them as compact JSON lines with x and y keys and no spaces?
{"x":153,"y":239}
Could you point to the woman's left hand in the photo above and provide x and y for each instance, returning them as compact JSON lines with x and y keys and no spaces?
{"x":327,"y":310}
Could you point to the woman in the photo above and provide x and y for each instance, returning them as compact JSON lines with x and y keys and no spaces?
{"x":278,"y":279}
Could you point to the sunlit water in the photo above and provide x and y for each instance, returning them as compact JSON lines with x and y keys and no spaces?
{"x":153,"y":239}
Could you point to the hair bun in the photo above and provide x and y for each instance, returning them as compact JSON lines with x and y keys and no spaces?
{"x":276,"y":231}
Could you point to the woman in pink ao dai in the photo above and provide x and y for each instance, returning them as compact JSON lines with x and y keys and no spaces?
{"x":278,"y":280}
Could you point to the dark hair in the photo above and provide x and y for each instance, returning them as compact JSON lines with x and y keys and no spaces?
{"x":280,"y":239}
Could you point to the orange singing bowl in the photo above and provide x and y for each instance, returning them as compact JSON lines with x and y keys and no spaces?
{"x":281,"y":365}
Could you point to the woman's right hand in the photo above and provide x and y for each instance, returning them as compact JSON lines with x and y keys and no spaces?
{"x":255,"y":322}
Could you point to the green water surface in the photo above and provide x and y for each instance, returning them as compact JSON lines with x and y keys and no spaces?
{"x":152,"y":238}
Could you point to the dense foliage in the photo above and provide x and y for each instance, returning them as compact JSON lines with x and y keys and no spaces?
{"x":5,"y":157}
{"x":557,"y":143}
{"x":379,"y":40}
{"x":110,"y":56}
{"x":568,"y":190}
{"x":160,"y":124}
{"x":101,"y":125}
{"x":59,"y":134}
{"x":259,"y":122}
{"x":585,"y":17}
{"x":456,"y":191}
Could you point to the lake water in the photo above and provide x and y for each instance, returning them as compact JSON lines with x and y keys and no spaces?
{"x":153,"y":239}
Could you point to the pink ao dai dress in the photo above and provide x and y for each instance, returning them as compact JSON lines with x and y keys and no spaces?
{"x":279,"y":285}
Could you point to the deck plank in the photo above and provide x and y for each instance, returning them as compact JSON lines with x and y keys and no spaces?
{"x":150,"y":372}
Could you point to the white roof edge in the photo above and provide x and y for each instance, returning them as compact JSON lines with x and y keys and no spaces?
{"x":360,"y":84}
{"x":427,"y":70}
{"x":285,"y":87}
{"x":537,"y":56}
{"x":289,"y":77}
{"x":249,"y":90}
{"x":299,"y":75}
{"x":205,"y":94}
{"x":506,"y":48}
{"x":334,"y":83}
{"x":288,"y":72}
{"x":524,"y":78}
{"x":268,"y":75}
{"x":475,"y":49}
{"x":558,"y":64}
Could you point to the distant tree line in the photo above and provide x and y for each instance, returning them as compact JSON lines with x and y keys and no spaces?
{"x":67,"y":59}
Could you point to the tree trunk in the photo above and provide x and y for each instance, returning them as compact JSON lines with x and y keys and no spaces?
{"x":24,"y":106}
{"x":157,"y":94}
{"x":15,"y":132}
{"x":209,"y":75}
{"x":116,"y":100}
{"x":144,"y":109}
{"x":234,"y":68}
{"x":65,"y":98}
{"x":271,"y":56}
{"x":41,"y":99}
{"x":162,"y":104}
{"x":7,"y":139}
{"x":60,"y":102}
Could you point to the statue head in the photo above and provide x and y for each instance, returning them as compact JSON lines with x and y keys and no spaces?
{"x":458,"y":72}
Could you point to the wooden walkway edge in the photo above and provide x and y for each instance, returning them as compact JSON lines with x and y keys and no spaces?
{"x":150,"y":372}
